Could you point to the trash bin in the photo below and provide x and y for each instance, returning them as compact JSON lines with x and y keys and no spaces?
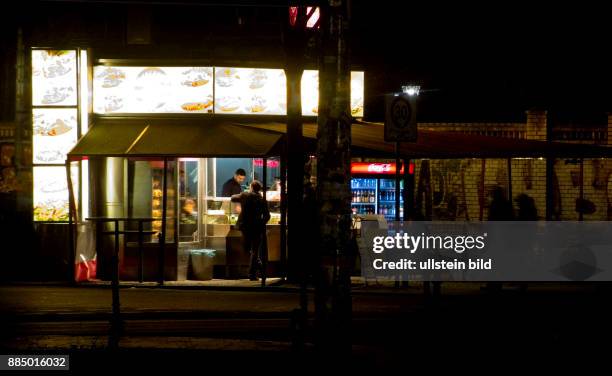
{"x":202,"y":263}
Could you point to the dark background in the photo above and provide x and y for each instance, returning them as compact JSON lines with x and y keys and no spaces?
{"x":475,"y":62}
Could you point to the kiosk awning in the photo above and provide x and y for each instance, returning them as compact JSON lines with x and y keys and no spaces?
{"x":161,"y":137}
{"x":175,"y":138}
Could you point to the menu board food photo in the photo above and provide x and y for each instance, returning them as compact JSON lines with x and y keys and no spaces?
{"x":250,"y":91}
{"x":51,"y":193}
{"x":54,"y":134}
{"x":153,"y":89}
{"x":54,"y":78}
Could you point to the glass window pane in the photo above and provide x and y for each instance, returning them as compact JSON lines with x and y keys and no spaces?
{"x":225,"y":170}
{"x":54,"y":134}
{"x":188,"y":199}
{"x":157,"y":187}
{"x":54,"y":80}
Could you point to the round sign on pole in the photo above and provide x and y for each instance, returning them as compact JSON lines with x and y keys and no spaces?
{"x":400,"y":119}
{"x":401,"y":112}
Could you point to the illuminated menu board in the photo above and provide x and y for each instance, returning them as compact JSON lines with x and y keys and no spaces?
{"x":310,"y":93}
{"x":54,"y":78}
{"x":250,"y":91}
{"x":55,"y":127}
{"x":153,"y":89}
{"x":51,"y":193}
{"x":54,"y":134}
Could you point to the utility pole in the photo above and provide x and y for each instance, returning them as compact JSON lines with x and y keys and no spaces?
{"x":295,"y":42}
{"x":332,"y":289}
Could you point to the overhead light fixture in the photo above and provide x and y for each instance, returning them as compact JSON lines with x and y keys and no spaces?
{"x":411,"y":89}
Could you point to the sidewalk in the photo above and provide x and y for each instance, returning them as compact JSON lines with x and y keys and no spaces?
{"x":60,"y":318}
{"x":358,"y":286}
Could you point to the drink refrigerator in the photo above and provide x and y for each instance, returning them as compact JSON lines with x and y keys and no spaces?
{"x":373,"y":189}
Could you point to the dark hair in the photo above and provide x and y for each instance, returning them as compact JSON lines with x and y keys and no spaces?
{"x":240,"y":172}
{"x":256,"y":186}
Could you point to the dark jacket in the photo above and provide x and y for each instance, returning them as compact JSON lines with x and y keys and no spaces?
{"x":231,"y":187}
{"x":254,"y":212}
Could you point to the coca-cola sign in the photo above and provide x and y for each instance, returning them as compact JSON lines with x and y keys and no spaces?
{"x":379,"y":167}
{"x":373,"y":168}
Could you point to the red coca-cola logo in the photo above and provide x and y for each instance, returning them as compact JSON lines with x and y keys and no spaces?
{"x":379,"y":167}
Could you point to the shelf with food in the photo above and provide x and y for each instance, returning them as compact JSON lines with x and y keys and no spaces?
{"x":275,"y":219}
{"x":273,"y":196}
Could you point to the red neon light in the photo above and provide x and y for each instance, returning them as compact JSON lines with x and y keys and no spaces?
{"x":293,"y":12}
{"x":272,"y":163}
{"x":373,"y":168}
{"x":378,"y":168}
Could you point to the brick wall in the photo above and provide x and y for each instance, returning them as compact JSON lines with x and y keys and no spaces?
{"x":8,"y":172}
{"x":457,"y":189}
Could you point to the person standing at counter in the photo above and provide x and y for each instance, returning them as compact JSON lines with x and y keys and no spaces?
{"x":234,"y":185}
{"x":252,"y":222}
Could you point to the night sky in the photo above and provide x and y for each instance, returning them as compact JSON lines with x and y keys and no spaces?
{"x":475,"y":62}
{"x":491,"y":64}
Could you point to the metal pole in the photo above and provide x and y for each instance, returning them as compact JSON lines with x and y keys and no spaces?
{"x":283,"y":220}
{"x":482,"y":192}
{"x":397,"y":181}
{"x":581,"y":207}
{"x":263,"y":254}
{"x":140,"y":255}
{"x":71,"y":214}
{"x":550,"y":166}
{"x":408,"y":191}
{"x":509,"y":163}
{"x":116,"y":324}
{"x":295,"y":43}
{"x":162,"y":240}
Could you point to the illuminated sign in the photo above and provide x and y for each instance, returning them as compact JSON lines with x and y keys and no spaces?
{"x":310,"y":93}
{"x":377,"y":168}
{"x":51,"y":193}
{"x":252,"y":91}
{"x":54,"y":134}
{"x":54,"y":78}
{"x":55,"y":128}
{"x":153,"y":89}
{"x":271,"y":163}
